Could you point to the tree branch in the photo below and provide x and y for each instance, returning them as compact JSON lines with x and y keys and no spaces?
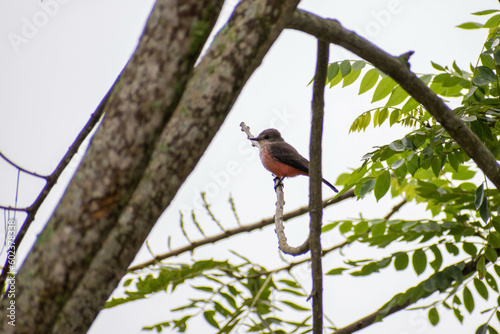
{"x":52,"y":180}
{"x":316,"y":211}
{"x":213,"y":87}
{"x":241,"y":229}
{"x":470,"y":267}
{"x":139,"y":106}
{"x":280,"y":228}
{"x":21,"y":168}
{"x":398,"y":68}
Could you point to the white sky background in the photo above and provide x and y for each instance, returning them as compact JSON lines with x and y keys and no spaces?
{"x":50,"y":85}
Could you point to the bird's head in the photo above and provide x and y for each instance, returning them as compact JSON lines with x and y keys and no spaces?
{"x":268,"y":136}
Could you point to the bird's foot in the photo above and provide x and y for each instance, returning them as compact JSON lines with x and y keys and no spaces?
{"x":278,"y":181}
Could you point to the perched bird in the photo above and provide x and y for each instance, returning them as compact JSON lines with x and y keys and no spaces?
{"x":280,"y":158}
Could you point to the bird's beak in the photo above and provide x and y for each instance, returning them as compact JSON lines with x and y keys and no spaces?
{"x":254,"y":139}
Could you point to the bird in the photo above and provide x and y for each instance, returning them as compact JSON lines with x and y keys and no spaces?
{"x":280,"y":158}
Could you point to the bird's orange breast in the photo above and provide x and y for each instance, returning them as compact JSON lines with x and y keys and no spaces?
{"x":276,"y":167}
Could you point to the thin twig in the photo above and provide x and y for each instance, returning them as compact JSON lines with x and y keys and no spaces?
{"x":195,"y":221}
{"x":241,"y":229}
{"x":395,"y":209}
{"x":45,"y":177}
{"x":209,"y":211}
{"x":233,"y":209}
{"x":52,"y":178}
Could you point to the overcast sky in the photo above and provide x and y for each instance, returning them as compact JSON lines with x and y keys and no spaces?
{"x":59,"y":58}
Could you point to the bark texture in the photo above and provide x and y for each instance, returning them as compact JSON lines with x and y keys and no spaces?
{"x":315,"y":197}
{"x":140,"y":104}
{"x":149,"y":142}
{"x":213,"y":88}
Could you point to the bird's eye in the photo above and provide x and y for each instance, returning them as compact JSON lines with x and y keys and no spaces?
{"x":266,"y":137}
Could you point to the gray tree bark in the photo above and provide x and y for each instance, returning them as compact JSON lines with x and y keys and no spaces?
{"x":156,"y":128}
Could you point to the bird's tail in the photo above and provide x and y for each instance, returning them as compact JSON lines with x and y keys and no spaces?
{"x":330,"y":185}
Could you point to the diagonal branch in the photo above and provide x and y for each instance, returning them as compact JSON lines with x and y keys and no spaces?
{"x":141,"y":103}
{"x":241,"y":229}
{"x":469,"y":268}
{"x":398,"y":68}
{"x":52,"y":180}
{"x":211,"y":90}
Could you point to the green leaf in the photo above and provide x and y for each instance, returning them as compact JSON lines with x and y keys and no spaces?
{"x":492,"y":330}
{"x":482,"y":329}
{"x":395,"y":115}
{"x":453,"y":161}
{"x":484,"y":211}
{"x":384,"y":88}
{"x":345,"y":68}
{"x":361,"y":227}
{"x":487,"y":60}
{"x":351,"y":78}
{"x":433,"y":316}
{"x":329,"y":227}
{"x":382,"y":116}
{"x":491,"y":281}
{"x":458,"y":315}
{"x":437,"y":66}
{"x":295,"y":306}
{"x":457,"y":69}
{"x":470,"y":25}
{"x":438,"y":258}
{"x":419,"y":260}
{"x":398,"y":96}
{"x":470,"y":248}
{"x":436,"y":166}
{"x":369,"y":80}
{"x":492,"y":21}
{"x":333,"y":70}
{"x":490,"y":254}
{"x":401,"y":261}
{"x":412,"y":163}
{"x":496,"y":56}
{"x":452,"y":249}
{"x":494,"y":239}
{"x":209,"y":317}
{"x":481,"y":266}
{"x":396,"y":146}
{"x":336,"y":271}
{"x":230,"y":300}
{"x":487,"y":73}
{"x":410,"y":105}
{"x":481,"y":288}
{"x":382,"y":184}
{"x":366,"y":187}
{"x":128,"y":281}
{"x":345,"y":227}
{"x":358,"y":65}
{"x":468,"y":300}
{"x":485,"y":12}
{"x":398,"y":163}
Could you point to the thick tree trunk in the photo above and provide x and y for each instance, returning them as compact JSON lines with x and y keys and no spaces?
{"x":140,"y":104}
{"x":137,"y":162}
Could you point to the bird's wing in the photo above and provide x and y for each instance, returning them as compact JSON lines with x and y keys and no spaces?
{"x":286,"y":154}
